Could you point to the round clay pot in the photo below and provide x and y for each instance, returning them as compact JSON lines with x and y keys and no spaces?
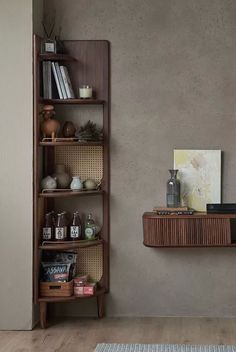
{"x":68,"y":130}
{"x":62,"y":177}
{"x":90,"y":184}
{"x":48,"y":183}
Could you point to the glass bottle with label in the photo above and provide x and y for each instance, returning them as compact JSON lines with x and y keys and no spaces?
{"x":90,"y":228}
{"x":48,"y":227}
{"x":61,"y":227}
{"x":76,"y":228}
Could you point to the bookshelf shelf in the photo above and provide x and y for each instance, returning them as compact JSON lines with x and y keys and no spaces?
{"x":56,"y":57}
{"x":98,"y":292}
{"x":72,"y":144}
{"x":64,"y":194}
{"x":70,"y":245}
{"x":72,"y":101}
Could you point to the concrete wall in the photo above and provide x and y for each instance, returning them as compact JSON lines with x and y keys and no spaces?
{"x":16,"y":164}
{"x":173,"y":86}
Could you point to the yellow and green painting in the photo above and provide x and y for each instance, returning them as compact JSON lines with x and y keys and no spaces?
{"x":200,"y":177}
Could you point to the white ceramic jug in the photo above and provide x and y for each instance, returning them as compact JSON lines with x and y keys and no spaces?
{"x":76,"y":184}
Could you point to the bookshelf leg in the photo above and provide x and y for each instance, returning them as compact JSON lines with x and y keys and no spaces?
{"x":101,"y":305}
{"x":43,"y":314}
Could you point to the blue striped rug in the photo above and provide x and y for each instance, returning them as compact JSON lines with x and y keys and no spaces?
{"x":116,"y":347}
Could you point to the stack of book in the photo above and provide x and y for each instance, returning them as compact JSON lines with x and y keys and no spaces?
{"x":56,"y":81}
{"x":173,"y":211}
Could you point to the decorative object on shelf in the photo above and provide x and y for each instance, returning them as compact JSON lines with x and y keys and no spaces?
{"x":76,"y":184}
{"x":48,"y":229}
{"x":50,"y":127}
{"x":223,"y":208}
{"x":75,"y":228}
{"x":91,"y":184}
{"x":48,"y":44}
{"x":63,"y":179}
{"x":68,"y":130}
{"x":89,"y":132}
{"x":56,"y":289}
{"x":58,"y":270}
{"x":200,"y":176}
{"x":54,"y":228}
{"x":90,"y":229}
{"x":173,"y":190}
{"x":61,"y":227}
{"x":84,"y":287}
{"x":173,"y":211}
{"x":85,"y":92}
{"x":48,"y":183}
{"x":61,"y":257}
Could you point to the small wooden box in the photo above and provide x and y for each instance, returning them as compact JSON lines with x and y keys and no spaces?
{"x":56,"y":289}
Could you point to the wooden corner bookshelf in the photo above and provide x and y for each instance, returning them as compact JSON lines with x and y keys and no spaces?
{"x":87,"y":61}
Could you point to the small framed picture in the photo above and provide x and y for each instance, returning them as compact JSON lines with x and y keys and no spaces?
{"x":49,"y":46}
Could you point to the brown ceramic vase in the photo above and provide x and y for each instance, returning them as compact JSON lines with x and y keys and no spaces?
{"x":68,"y":130}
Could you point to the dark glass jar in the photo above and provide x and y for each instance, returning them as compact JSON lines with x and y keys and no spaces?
{"x":173,"y":190}
{"x":48,"y":227}
{"x":75,"y":228}
{"x":61,"y":227}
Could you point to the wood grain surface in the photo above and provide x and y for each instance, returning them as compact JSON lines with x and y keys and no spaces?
{"x":82,"y":335}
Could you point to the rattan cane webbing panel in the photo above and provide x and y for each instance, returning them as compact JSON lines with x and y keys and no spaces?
{"x":83,"y":161}
{"x":90,"y":262}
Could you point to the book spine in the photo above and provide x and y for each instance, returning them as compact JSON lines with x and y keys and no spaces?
{"x":49,"y":80}
{"x":67,"y":82}
{"x":57,"y":80}
{"x":45,"y":93}
{"x":61,"y":82}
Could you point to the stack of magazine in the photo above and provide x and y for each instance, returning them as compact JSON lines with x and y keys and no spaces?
{"x":56,"y":81}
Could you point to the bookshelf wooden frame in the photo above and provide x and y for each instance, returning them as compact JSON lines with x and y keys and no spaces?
{"x":88,"y":60}
{"x":198,"y":230}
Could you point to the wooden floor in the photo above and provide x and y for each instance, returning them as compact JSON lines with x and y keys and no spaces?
{"x":82,"y":335}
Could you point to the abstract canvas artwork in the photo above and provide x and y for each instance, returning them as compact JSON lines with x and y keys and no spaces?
{"x":200,"y":177}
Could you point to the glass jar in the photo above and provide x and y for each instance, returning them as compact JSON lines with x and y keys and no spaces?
{"x":173,"y":190}
{"x":85,"y":92}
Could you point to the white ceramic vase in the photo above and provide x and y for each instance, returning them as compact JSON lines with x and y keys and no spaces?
{"x":76,"y":184}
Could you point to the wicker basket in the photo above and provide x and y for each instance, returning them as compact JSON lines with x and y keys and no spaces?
{"x":56,"y":289}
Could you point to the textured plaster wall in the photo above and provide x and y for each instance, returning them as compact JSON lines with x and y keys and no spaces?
{"x":38,"y":17}
{"x":16,"y":164}
{"x":173,"y":85}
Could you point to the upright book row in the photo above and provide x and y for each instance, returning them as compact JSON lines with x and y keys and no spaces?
{"x":56,"y":81}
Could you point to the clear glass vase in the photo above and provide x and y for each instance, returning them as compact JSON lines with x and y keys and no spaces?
{"x":173,"y":190}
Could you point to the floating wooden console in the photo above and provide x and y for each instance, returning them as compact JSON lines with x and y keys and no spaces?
{"x":198,"y":230}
